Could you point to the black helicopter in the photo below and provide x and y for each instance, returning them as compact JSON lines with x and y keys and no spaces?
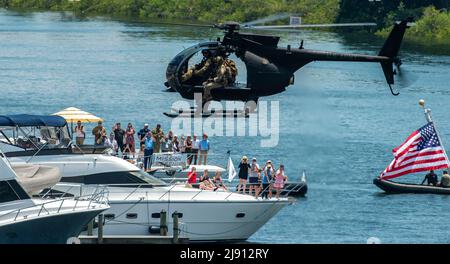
{"x":270,"y":69}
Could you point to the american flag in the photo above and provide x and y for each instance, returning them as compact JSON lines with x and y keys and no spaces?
{"x":421,"y":151}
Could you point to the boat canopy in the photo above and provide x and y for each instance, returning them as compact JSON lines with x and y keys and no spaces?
{"x":32,"y":120}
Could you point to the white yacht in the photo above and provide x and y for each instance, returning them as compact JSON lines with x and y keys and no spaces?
{"x":24,"y":219}
{"x":137,"y":198}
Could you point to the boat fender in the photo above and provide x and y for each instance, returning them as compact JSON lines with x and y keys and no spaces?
{"x":73,"y":240}
{"x":154,"y":229}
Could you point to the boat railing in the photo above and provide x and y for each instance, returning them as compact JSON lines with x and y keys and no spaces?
{"x":99,"y":196}
{"x":138,"y":161}
{"x":284,"y":192}
{"x":167,"y":192}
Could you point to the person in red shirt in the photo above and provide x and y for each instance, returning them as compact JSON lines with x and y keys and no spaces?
{"x":192,"y":176}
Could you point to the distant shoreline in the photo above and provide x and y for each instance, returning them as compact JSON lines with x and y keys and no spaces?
{"x":432,"y":27}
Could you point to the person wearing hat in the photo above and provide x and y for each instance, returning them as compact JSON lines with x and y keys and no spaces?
{"x":148,"y":150}
{"x":253,"y":178}
{"x":204,"y":148}
{"x":243,"y":174}
{"x":142,"y":134}
{"x":99,"y":131}
{"x":266,"y":179}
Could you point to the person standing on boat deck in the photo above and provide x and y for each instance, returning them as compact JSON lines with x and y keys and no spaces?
{"x":254,"y":178}
{"x":266,"y":180}
{"x":158,"y":135}
{"x":445,"y":180}
{"x":169,"y":142}
{"x":113,"y":144}
{"x":280,"y":178}
{"x":195,"y":147}
{"x":188,"y":149}
{"x":243,"y":174}
{"x":129,"y":139}
{"x":148,"y":150}
{"x":192,"y":176}
{"x":80,"y":135}
{"x":204,"y":148}
{"x":175,"y":145}
{"x":106,"y":142}
{"x":140,"y":157}
{"x":99,"y":131}
{"x":119,"y":135}
{"x":142,"y":134}
{"x":182,"y":144}
{"x":431,"y":178}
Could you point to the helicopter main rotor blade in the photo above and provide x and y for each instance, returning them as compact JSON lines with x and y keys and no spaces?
{"x":315,"y":26}
{"x":175,"y":23}
{"x":270,"y":18}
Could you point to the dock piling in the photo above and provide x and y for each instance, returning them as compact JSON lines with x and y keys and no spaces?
{"x":90,"y":228}
{"x":163,"y":223}
{"x":175,"y":227}
{"x":100,"y":229}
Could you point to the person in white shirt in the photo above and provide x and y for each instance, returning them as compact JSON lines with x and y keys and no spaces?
{"x":80,"y":135}
{"x":254,"y":178}
{"x":175,"y":145}
{"x":112,"y":143}
{"x":182,"y":144}
{"x":195,"y":147}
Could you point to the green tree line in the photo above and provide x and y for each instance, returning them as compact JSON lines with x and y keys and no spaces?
{"x":210,"y":11}
{"x":432,"y":16}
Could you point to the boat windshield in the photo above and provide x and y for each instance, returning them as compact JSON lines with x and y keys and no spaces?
{"x":45,"y":137}
{"x":144,"y":176}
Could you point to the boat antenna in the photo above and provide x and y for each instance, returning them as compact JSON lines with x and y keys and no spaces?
{"x":427,"y":112}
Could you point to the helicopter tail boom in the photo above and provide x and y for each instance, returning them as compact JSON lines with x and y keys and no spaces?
{"x":392,"y":44}
{"x":390,"y":49}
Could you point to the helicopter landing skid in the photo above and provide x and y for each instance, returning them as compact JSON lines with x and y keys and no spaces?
{"x":192,"y":113}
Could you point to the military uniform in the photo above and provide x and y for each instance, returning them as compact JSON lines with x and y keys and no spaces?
{"x":219,"y":79}
{"x":231,"y":71}
{"x":204,"y":67}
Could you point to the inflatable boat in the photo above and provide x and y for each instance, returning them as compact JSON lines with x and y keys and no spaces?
{"x":396,"y":187}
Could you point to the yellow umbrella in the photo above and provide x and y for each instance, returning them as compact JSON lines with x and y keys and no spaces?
{"x":73,"y":114}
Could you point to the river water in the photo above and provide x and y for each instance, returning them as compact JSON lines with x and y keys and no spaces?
{"x":338,"y":122}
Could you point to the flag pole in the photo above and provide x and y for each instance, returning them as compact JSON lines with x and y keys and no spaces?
{"x":427,"y":112}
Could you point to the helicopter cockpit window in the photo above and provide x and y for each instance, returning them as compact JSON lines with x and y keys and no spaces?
{"x":199,"y":68}
{"x":204,"y":67}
